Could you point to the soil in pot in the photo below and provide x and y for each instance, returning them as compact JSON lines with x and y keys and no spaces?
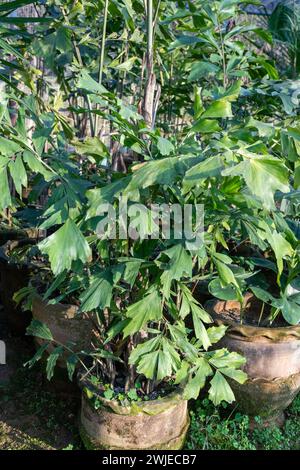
{"x":253,"y":313}
{"x":272,"y":357}
{"x":159,"y":424}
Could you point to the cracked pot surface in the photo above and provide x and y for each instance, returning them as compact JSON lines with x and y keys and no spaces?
{"x":106,"y":429}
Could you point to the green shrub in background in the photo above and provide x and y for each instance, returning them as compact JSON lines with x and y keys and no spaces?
{"x":224,"y":428}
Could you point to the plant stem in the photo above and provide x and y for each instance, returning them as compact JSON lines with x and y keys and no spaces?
{"x":150,"y":34}
{"x":148,"y":101}
{"x":101,"y":61}
{"x":274,"y":315}
{"x":261,"y":313}
{"x":222,"y":54}
{"x":80,"y":62}
{"x":156,"y":14}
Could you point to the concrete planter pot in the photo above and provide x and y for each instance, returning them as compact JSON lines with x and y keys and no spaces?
{"x":157,"y":424}
{"x":10,"y":234}
{"x":15,"y":276}
{"x":273,"y":363}
{"x":66,"y":324}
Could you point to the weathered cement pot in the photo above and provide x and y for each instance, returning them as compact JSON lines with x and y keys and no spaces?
{"x":157,"y":424}
{"x":13,"y":277}
{"x":12,"y":234}
{"x":273,"y":363}
{"x":66,"y":324}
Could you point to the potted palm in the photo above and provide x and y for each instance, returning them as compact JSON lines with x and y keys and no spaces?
{"x":152,"y":336}
{"x":264,"y":325}
{"x":146,"y":363}
{"x":247,"y":171}
{"x":252,"y":242}
{"x":253,"y":264}
{"x":153,"y":350}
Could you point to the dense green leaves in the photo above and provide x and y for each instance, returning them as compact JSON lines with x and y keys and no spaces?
{"x":218,"y":109}
{"x":200,"y":69}
{"x":180,"y":265}
{"x":24,"y":19}
{"x":165,"y":146}
{"x":156,"y":358}
{"x":220,"y":390}
{"x":66,"y":245}
{"x":281,"y":247}
{"x":263,"y":175}
{"x":217,"y":135}
{"x":197,"y":382}
{"x":291,"y":309}
{"x":92,"y":147}
{"x":147,"y":309}
{"x":225,"y":274}
{"x":206,"y":126}
{"x":52,"y":360}
{"x":5,"y":198}
{"x":40,"y":330}
{"x":163,"y":171}
{"x":18,"y":174}
{"x":209,"y":168}
{"x":199,"y":328}
{"x":86,"y":82}
{"x":222,"y":358}
{"x":99,"y":294}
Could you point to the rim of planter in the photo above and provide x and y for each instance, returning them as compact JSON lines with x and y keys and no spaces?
{"x":252,"y":332}
{"x":38,"y":298}
{"x":152,"y":407}
{"x":10,"y":245}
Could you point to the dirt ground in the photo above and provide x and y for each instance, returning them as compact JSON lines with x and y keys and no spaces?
{"x":34,"y":414}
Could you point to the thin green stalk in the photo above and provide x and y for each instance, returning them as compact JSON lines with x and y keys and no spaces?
{"x":170,"y":103}
{"x":149,"y":92}
{"x":273,"y":315}
{"x":80,"y":61}
{"x":150,"y":34}
{"x":223,"y":55}
{"x":261,"y":313}
{"x":122,"y":75}
{"x":156,"y":15}
{"x":101,"y":62}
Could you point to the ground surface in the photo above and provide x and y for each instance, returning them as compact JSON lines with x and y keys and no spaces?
{"x":33,"y":415}
{"x":36,"y":414}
